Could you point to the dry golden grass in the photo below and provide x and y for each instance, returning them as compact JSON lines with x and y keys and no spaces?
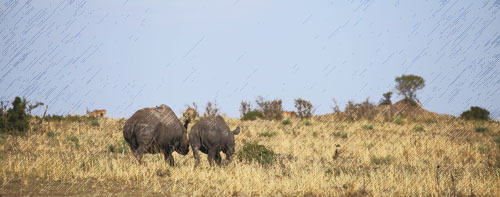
{"x":326,"y":158}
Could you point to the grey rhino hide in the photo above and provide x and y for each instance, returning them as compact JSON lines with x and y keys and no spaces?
{"x":210,"y":136}
{"x":156,"y":130}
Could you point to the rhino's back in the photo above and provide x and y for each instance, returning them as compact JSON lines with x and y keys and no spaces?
{"x":142,"y":126}
{"x":209,"y":131}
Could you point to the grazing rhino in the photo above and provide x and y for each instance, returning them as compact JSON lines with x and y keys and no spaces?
{"x":156,"y":130}
{"x":210,"y":136}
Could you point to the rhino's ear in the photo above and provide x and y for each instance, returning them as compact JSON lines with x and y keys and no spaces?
{"x":236,"y":131}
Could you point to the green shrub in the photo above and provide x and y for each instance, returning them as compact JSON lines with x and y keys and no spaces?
{"x":398,"y":121}
{"x":286,"y":121}
{"x":253,"y":152}
{"x":381,"y":160}
{"x":481,"y":129}
{"x":368,"y":126}
{"x":253,"y":115}
{"x":267,"y":134}
{"x":111,"y":148}
{"x":419,"y":128}
{"x":95,"y":123}
{"x":307,"y":123}
{"x":430,"y":121}
{"x":475,"y":113}
{"x":51,"y":133}
{"x":124,"y":148}
{"x":74,"y":141}
{"x":14,"y":120}
{"x":340,"y":134}
{"x":483,"y":149}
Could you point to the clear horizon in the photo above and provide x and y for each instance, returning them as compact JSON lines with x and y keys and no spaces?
{"x":123,"y":55}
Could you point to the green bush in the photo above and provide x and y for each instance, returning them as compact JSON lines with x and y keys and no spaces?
{"x":398,"y":121}
{"x":253,"y":152}
{"x":95,"y":123}
{"x":14,"y":120}
{"x":368,"y":126}
{"x":483,"y":149}
{"x":111,"y":148}
{"x":253,"y":115}
{"x":51,"y":133}
{"x":481,"y":129}
{"x":307,"y":123}
{"x":475,"y":113}
{"x":124,"y":148}
{"x":74,"y":141}
{"x":418,"y":128}
{"x":286,"y":121}
{"x":381,"y":160}
{"x":268,"y":134}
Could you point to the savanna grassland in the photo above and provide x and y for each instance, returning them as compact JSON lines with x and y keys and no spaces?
{"x":323,"y":157}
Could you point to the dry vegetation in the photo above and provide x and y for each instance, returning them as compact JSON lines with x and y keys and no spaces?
{"x":324,"y":157}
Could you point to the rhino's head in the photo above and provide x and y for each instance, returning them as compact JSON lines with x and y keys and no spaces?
{"x":229,"y":149}
{"x":183,"y":147}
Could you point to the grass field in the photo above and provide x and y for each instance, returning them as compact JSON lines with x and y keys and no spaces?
{"x":323,"y":158}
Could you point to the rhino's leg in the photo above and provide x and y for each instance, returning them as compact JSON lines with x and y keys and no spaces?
{"x":168,"y":157}
{"x":196,"y":155}
{"x":138,"y":153}
{"x":218,"y":158}
{"x":211,"y":156}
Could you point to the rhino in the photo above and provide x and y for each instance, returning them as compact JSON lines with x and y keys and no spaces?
{"x":156,"y":130}
{"x":210,"y":136}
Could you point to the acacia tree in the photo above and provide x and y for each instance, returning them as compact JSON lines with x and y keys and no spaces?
{"x":407,"y":85}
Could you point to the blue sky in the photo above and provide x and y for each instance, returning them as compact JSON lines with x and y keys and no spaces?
{"x":126,"y":55}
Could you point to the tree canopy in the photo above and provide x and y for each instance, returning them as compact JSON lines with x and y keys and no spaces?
{"x":407,"y":85}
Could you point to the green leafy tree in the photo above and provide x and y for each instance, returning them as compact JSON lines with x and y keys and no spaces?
{"x":407,"y":85}
{"x":387,"y":99}
{"x":15,"y":119}
{"x":3,"y":116}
